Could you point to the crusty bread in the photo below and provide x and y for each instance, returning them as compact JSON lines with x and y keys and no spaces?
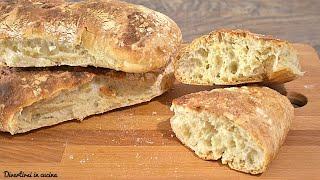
{"x":110,"y":34}
{"x":245,"y":127}
{"x":38,"y":97}
{"x":230,"y":57}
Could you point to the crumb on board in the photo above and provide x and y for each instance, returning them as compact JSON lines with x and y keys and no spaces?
{"x":82,"y":161}
{"x":149,"y":141}
{"x":309,"y":86}
{"x":71,"y":157}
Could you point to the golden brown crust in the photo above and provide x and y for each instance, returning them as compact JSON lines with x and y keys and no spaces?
{"x":270,"y":75}
{"x":264,"y":113}
{"x":246,"y":33}
{"x":138,"y":38}
{"x":282,"y":76}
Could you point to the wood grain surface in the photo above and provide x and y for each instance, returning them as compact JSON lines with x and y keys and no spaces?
{"x":137,"y":142}
{"x":294,"y":20}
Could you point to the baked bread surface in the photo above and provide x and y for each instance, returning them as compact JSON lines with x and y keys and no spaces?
{"x":244,"y":127}
{"x":104,"y":33}
{"x":230,"y":57}
{"x":31,"y":98}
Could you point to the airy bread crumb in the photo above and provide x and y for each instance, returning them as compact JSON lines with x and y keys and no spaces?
{"x":244,"y":127}
{"x":229,"y":57}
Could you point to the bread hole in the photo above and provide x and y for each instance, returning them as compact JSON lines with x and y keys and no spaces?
{"x":246,"y":49}
{"x":28,"y":43}
{"x":44,"y":49}
{"x":199,"y":76}
{"x":47,"y":6}
{"x":218,"y":61}
{"x":231,"y":128}
{"x":208,"y":143}
{"x":251,"y":156}
{"x":207,"y":66}
{"x":270,"y":60}
{"x":65,"y":49}
{"x":257,"y":70}
{"x":195,"y":61}
{"x":77,"y":47}
{"x":231,"y":41}
{"x":83,"y":52}
{"x":219,"y":37}
{"x":224,"y":79}
{"x":297,"y":100}
{"x":231,"y":144}
{"x":242,"y":162}
{"x":14,"y":48}
{"x":202,"y":52}
{"x":233,"y":67}
{"x":231,"y":54}
{"x":259,"y":53}
{"x":266,"y":51}
{"x":198,"y":108}
{"x":186,"y":132}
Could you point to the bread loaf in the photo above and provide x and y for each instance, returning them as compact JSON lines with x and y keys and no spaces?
{"x":31,"y":98}
{"x":244,"y":127}
{"x":230,"y":57}
{"x":104,"y":33}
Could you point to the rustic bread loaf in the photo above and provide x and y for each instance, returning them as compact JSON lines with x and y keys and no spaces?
{"x":31,"y":98}
{"x":230,"y":57}
{"x":244,"y":127}
{"x":104,"y":33}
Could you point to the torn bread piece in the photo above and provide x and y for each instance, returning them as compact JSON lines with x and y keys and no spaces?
{"x":103,"y":33}
{"x":230,"y":57}
{"x":244,"y":127}
{"x":31,"y":98}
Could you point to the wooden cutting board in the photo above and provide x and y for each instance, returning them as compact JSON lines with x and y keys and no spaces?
{"x":137,"y":142}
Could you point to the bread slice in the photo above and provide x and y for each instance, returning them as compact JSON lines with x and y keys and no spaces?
{"x":244,"y":127}
{"x":230,"y":57}
{"x":104,"y":33}
{"x":38,"y":97}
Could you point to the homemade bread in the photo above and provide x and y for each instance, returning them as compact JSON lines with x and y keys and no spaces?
{"x":31,"y":98}
{"x":230,"y":57}
{"x":245,"y":127}
{"x":110,"y":34}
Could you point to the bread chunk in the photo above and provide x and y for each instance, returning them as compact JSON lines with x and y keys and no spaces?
{"x":104,"y":33}
{"x":230,"y":57}
{"x":31,"y":98}
{"x":244,"y":127}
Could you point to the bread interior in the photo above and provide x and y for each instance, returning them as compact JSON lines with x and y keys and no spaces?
{"x":213,"y":138}
{"x":39,"y":52}
{"x":102,"y":94}
{"x":231,"y":58}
